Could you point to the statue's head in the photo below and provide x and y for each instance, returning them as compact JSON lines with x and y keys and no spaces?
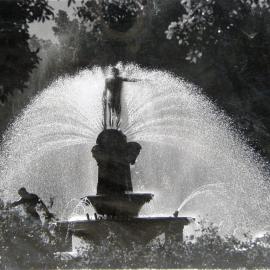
{"x":22,"y":191}
{"x":115,"y":71}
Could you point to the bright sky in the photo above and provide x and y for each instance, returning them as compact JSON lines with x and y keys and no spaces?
{"x":44,"y":30}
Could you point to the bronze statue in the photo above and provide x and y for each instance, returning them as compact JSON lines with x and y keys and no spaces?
{"x":112,"y":99}
{"x":29,"y":201}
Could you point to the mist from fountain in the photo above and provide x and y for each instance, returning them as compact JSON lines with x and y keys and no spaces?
{"x":191,"y":158}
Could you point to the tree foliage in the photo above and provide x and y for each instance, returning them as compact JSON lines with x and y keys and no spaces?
{"x":16,"y":58}
{"x":227,"y":44}
{"x":78,"y":46}
{"x":117,"y":14}
{"x":24,"y":245}
{"x":210,"y":23}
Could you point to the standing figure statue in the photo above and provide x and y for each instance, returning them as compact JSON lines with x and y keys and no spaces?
{"x":112,"y":99}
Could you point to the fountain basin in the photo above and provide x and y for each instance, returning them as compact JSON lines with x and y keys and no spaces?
{"x":138,"y":230}
{"x":120,"y":205}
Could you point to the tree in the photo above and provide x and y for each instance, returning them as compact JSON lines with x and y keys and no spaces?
{"x":117,"y":14}
{"x":78,"y":47}
{"x":229,"y":40}
{"x":207,"y":24}
{"x":16,"y":58}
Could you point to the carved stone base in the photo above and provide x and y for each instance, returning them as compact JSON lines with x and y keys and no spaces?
{"x":123,"y":205}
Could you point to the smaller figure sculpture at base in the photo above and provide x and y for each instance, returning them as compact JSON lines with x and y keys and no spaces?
{"x":30,"y":201}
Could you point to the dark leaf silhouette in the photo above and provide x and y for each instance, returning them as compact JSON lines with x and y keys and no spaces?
{"x":16,"y":59}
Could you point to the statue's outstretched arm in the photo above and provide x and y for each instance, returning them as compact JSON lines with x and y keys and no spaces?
{"x":130,"y":80}
{"x":16,"y":203}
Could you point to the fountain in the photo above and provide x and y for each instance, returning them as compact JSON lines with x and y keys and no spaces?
{"x":191,"y":156}
{"x":116,"y":204}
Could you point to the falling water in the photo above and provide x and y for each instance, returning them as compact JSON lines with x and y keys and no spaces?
{"x":191,"y":157}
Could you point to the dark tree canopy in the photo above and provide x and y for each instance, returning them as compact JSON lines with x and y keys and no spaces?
{"x":208,"y":24}
{"x":77,"y":47}
{"x":229,"y":42}
{"x":16,"y":58}
{"x":117,"y":14}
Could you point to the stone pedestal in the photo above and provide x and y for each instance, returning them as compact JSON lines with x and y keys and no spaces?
{"x":114,"y":155}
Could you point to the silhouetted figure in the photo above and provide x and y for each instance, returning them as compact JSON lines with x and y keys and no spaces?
{"x":112,"y":98}
{"x":29,"y":201}
{"x":114,"y":155}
